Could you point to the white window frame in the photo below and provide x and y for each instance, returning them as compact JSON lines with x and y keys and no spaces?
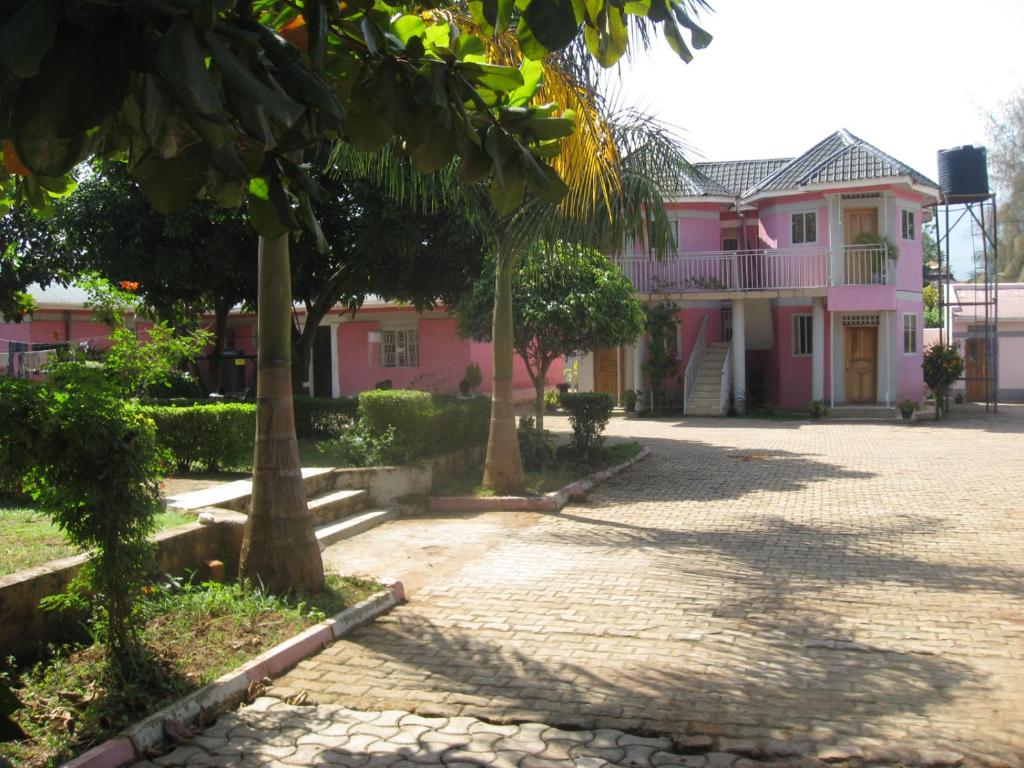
{"x":805,"y":334}
{"x":803,"y":224}
{"x":400,"y":347}
{"x":908,"y":224}
{"x":912,"y":331}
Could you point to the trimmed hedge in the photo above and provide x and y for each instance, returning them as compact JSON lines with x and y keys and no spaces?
{"x":318,"y":418}
{"x":396,"y":426}
{"x":208,"y":436}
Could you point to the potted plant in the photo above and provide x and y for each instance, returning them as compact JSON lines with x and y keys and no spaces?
{"x":629,"y":398}
{"x":817,"y":409}
{"x":908,"y":408}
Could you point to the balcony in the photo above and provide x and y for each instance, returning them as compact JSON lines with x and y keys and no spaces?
{"x":763,"y":269}
{"x":728,"y":271}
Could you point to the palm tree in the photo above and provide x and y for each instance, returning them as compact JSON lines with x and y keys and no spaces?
{"x":619,"y":165}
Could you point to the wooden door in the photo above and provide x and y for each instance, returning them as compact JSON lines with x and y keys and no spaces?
{"x":861,"y":364}
{"x":859,"y":221}
{"x":976,"y":369}
{"x":606,"y":371}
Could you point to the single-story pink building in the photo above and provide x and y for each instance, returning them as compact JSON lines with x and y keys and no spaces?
{"x":382,"y":341}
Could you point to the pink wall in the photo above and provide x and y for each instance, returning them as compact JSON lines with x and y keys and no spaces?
{"x":792,"y":374}
{"x":909,"y":375}
{"x":908,"y":265}
{"x":690,"y":320}
{"x":481,"y":354}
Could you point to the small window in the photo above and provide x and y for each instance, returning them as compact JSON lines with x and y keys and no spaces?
{"x":730,"y":244}
{"x":910,"y":334}
{"x":909,"y":230}
{"x":803,"y":343}
{"x":805,"y":227}
{"x":400,"y":349}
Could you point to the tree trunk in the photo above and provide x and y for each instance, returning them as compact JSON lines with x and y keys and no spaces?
{"x":216,"y":357}
{"x":503,"y":467}
{"x":279,"y":548}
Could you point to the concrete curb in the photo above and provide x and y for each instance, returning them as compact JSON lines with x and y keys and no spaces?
{"x":229,"y":689}
{"x":549,"y":502}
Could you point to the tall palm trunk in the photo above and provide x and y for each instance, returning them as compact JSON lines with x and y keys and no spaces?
{"x":503,"y":467}
{"x":279,"y":548}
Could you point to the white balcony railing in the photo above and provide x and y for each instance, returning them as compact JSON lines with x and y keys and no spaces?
{"x":710,"y":271}
{"x":866,"y":265}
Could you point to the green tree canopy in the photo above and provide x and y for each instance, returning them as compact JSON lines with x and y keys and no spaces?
{"x":566,"y":299}
{"x":1006,"y":159}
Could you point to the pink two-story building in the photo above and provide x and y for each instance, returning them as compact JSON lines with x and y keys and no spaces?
{"x":781,"y":299}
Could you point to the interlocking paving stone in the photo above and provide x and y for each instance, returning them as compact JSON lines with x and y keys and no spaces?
{"x":775,"y":588}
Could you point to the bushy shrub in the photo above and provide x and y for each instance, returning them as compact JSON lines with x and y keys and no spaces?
{"x":536,"y":448}
{"x":817,"y":409}
{"x":208,"y":436}
{"x":398,"y":426}
{"x":588,"y":415}
{"x":551,"y":399}
{"x":318,"y":418}
{"x":21,"y":413}
{"x":942,"y":365}
{"x":96,"y":471}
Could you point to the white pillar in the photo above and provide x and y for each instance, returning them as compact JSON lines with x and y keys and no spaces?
{"x":335,"y":364}
{"x":818,"y":348}
{"x":638,"y":372}
{"x":739,"y":354}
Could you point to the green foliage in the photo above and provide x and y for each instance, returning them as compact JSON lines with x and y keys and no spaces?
{"x":875,"y":239}
{"x":536,"y":448}
{"x":908,"y":407}
{"x":22,"y":415}
{"x":396,"y":426}
{"x":589,"y":413}
{"x":661,"y":363}
{"x":552,"y":399}
{"x":319,"y":418}
{"x":932,"y":317}
{"x":629,"y":400}
{"x":818,"y":409}
{"x":473,"y":377}
{"x":942,"y":365}
{"x":96,"y":471}
{"x":207,"y":437}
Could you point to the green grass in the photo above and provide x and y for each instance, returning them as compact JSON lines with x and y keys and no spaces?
{"x":567,"y":469}
{"x":192,"y":635}
{"x":28,"y":538}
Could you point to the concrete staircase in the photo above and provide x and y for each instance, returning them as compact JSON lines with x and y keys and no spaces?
{"x":337,"y":514}
{"x":706,"y":399}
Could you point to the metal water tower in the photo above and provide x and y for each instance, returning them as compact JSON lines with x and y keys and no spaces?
{"x":966,"y":197}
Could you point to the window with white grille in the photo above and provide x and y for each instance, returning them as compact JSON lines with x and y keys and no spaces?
{"x":910,"y":334}
{"x":803,"y":343}
{"x":400,"y":348}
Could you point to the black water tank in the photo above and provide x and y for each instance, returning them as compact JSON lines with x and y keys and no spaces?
{"x":963,"y":174}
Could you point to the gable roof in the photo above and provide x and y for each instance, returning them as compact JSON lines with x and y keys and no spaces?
{"x":737,"y":176}
{"x":839,"y":158}
{"x":700,"y":184}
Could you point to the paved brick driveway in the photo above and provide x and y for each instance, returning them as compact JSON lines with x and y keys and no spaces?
{"x":845,"y":590}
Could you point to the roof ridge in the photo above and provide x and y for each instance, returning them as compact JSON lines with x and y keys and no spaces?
{"x":779,"y":171}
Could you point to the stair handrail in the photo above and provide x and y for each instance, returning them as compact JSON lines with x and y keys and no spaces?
{"x":723,"y":395}
{"x":693,"y":365}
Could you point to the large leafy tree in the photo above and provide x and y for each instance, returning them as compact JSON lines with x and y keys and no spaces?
{"x":379,"y":247}
{"x":207,"y":97}
{"x":1006,"y":159}
{"x":566,"y":299}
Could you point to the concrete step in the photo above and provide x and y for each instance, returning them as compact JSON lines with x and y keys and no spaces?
{"x":336,"y":505}
{"x":235,"y":495}
{"x":353,"y":525}
{"x":862,"y":413}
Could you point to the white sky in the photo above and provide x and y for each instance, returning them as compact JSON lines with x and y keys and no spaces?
{"x":909,"y":76}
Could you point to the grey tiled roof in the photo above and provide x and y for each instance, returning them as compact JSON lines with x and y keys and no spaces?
{"x":699,"y":184}
{"x":738,"y":176}
{"x":841,"y":157}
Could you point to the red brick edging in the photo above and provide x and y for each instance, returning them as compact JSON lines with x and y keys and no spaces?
{"x":548,"y":502}
{"x":229,"y":689}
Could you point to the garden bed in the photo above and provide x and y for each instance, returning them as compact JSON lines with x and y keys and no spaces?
{"x":193,"y":634}
{"x":548,"y":489}
{"x":28,"y":538}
